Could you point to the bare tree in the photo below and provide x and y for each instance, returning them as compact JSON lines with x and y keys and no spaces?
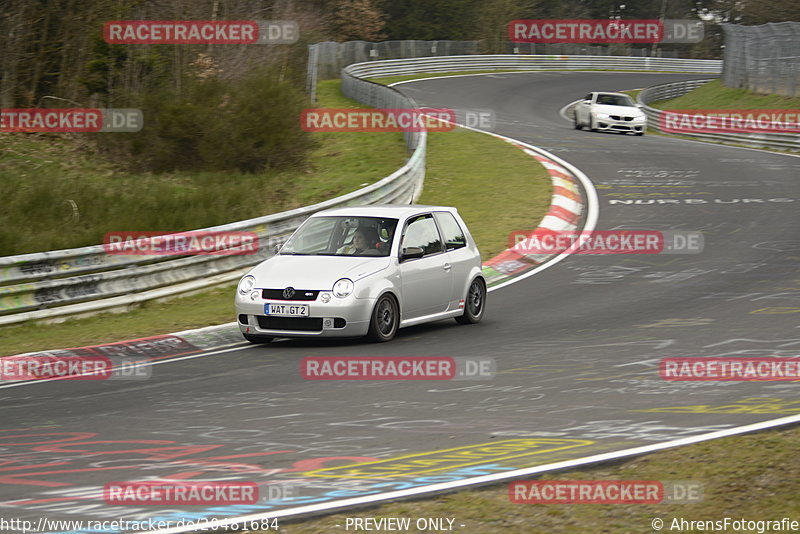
{"x":354,"y":20}
{"x":15,"y":27}
{"x":492,"y":18}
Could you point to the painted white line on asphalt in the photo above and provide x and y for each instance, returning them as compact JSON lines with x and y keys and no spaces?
{"x":592,"y":213}
{"x":725,"y":145}
{"x":144,"y":363}
{"x":592,"y":216}
{"x":202,"y":329}
{"x":485,"y":479}
{"x":593,"y":204}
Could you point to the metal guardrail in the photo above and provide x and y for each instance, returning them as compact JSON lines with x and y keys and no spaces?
{"x":327,"y":59}
{"x":774,"y":140}
{"x":398,"y":67}
{"x":50,"y":284}
{"x":379,"y":96}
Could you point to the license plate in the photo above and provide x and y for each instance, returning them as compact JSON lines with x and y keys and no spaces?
{"x":290,"y":310}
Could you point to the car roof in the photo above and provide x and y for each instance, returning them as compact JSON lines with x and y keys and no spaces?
{"x":398,"y":211}
{"x":608,"y":93}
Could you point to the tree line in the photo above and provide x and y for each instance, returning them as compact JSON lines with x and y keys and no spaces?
{"x":52,"y":54}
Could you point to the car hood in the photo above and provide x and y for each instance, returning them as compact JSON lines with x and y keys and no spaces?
{"x":314,"y":272}
{"x":629,"y":111}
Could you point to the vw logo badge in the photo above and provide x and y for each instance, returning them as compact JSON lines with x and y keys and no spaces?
{"x":288,"y":293}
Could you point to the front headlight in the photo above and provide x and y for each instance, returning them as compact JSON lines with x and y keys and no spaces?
{"x":602,"y":115}
{"x":342,"y":288}
{"x":246,"y":284}
{"x":641,"y":118}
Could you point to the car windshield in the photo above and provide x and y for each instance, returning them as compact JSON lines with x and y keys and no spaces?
{"x":615,"y":100}
{"x":342,"y":236}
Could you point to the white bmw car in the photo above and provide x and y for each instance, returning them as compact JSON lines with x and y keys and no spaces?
{"x":610,"y":112}
{"x":365,"y":271}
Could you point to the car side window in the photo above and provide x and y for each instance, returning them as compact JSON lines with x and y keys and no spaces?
{"x":422,"y":232}
{"x":454,"y":237}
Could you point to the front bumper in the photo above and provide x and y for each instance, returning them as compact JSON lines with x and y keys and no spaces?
{"x":347,"y":317}
{"x":620,"y":125}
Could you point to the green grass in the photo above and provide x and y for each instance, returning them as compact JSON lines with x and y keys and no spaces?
{"x":633,"y":92}
{"x":495,"y":186}
{"x":754,"y":476}
{"x":714,"y":95}
{"x":42,"y":175}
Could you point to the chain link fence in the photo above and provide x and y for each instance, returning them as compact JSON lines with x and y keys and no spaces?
{"x":332,"y":57}
{"x":763,"y":59}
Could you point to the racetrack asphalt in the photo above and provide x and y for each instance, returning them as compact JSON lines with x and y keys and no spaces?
{"x":577,"y":346}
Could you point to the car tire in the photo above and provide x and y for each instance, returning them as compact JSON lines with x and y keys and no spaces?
{"x":639,"y":133}
{"x":576,"y":124}
{"x":258,"y":340}
{"x":384,"y":320}
{"x":592,"y":126}
{"x":474,"y":303}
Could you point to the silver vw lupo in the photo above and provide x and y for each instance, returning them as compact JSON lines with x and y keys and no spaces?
{"x":365,"y":270}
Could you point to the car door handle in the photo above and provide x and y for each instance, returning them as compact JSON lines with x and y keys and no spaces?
{"x":447,"y":266}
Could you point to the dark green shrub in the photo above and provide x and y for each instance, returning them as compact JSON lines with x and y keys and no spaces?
{"x":247,"y":125}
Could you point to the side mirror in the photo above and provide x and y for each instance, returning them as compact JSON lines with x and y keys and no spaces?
{"x":411,"y":253}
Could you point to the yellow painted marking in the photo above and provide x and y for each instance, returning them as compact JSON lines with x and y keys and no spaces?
{"x":449,"y":459}
{"x":750,"y":405}
{"x":677,"y":323}
{"x":776,"y":310}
